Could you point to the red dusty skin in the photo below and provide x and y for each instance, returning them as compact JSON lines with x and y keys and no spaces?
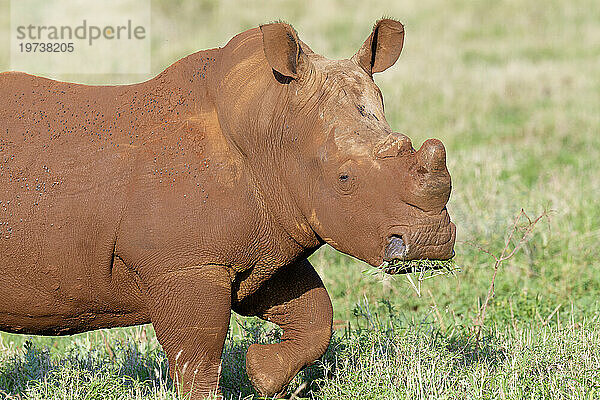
{"x":204,"y":190}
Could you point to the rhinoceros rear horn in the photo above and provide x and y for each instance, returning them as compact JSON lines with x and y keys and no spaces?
{"x":382,"y":48}
{"x":393,"y":145}
{"x":282,"y":48}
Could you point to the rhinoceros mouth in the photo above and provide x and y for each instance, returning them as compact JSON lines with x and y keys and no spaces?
{"x":396,"y":260}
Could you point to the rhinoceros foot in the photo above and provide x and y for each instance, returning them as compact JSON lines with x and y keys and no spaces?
{"x":267,"y":370}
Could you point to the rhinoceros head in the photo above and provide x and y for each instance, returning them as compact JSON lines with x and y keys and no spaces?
{"x":361,"y":187}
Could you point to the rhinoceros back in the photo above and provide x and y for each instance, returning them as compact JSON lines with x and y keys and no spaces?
{"x":61,"y":187}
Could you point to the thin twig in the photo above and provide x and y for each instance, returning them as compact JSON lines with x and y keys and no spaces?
{"x":498,"y":260}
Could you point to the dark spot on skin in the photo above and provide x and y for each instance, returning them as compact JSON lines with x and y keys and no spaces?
{"x":363,"y":112}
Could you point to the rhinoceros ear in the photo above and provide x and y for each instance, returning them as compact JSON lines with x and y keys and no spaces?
{"x":382,"y":48}
{"x":282,"y":48}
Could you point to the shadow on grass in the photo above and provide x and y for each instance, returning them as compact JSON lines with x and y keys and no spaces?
{"x":467,"y":353}
{"x":128,"y":364}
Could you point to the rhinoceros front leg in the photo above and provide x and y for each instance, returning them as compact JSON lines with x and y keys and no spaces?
{"x":190,"y":313}
{"x":296,"y":300}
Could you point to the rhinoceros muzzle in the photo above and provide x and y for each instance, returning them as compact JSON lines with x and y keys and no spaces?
{"x":432,"y":239}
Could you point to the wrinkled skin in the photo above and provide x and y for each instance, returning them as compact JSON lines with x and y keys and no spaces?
{"x":204,"y":190}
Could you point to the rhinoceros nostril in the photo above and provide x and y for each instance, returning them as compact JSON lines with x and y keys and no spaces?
{"x":396,"y":249}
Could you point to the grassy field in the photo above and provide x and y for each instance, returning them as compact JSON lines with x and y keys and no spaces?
{"x":513,"y":90}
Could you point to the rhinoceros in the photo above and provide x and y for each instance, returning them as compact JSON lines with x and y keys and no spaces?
{"x":203,"y":190}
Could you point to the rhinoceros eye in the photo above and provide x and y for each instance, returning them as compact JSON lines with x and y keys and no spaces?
{"x":347,"y":179}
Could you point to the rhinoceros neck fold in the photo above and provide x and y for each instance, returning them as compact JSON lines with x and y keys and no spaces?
{"x":252,"y":110}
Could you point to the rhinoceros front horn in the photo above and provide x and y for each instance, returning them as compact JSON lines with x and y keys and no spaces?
{"x":432,"y":155}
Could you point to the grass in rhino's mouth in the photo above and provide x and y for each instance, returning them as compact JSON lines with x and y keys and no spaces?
{"x":417,"y":271}
{"x":420,"y":266}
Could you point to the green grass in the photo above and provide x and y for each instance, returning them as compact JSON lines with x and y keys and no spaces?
{"x":513,"y":90}
{"x":418,"y":266}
